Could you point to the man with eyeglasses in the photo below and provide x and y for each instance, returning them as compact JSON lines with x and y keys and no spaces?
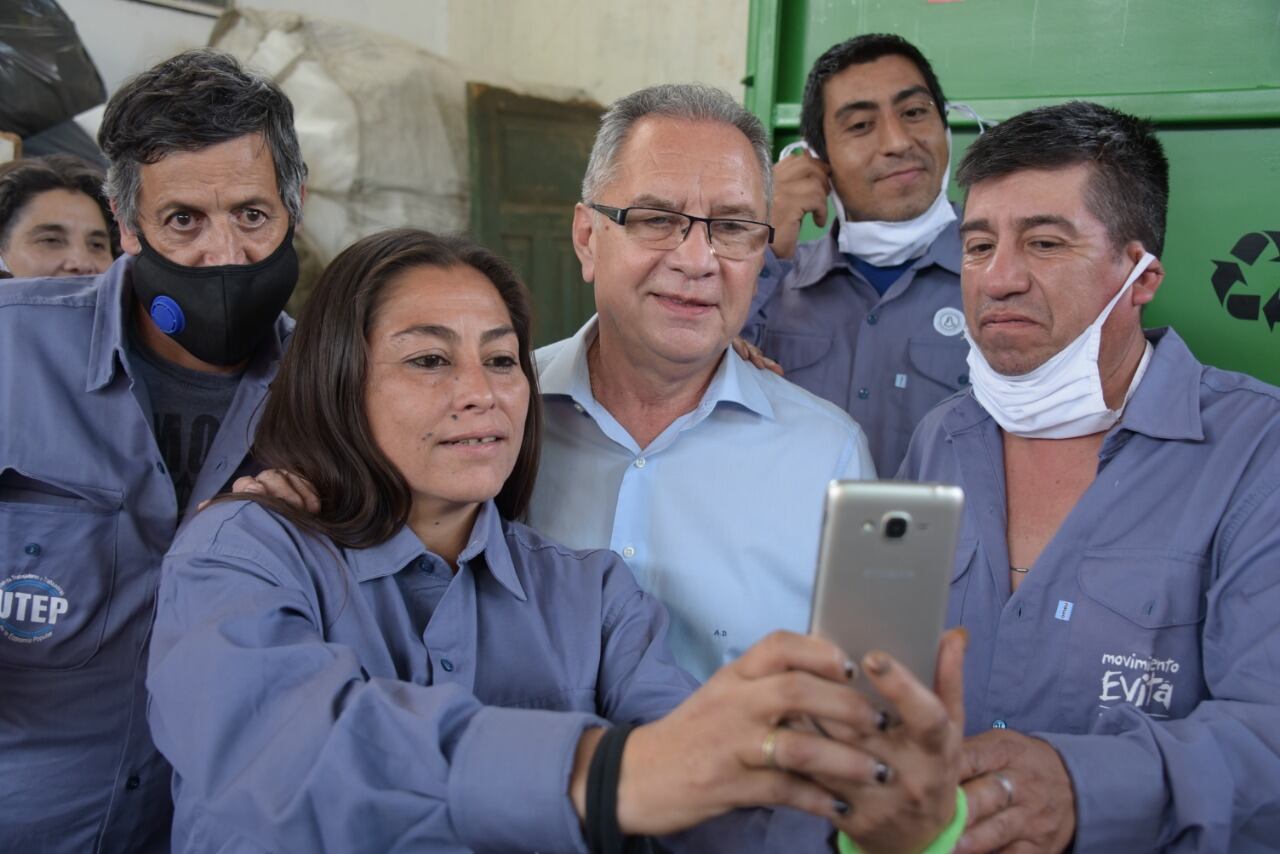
{"x":868,"y":316}
{"x":704,"y":473}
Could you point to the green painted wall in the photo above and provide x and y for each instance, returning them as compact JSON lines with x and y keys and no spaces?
{"x":1207,"y":73}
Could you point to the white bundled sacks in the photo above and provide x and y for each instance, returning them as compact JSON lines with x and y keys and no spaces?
{"x":382,"y":124}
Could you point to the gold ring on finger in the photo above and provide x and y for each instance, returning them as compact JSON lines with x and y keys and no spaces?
{"x":770,"y":749}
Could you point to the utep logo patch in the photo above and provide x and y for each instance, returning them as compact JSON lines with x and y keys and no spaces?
{"x":30,"y":607}
{"x":948,"y":321}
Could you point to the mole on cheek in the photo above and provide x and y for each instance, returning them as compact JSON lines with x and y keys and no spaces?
{"x":454,"y":416}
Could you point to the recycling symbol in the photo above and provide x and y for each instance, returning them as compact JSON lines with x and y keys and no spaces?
{"x":1244,"y":306}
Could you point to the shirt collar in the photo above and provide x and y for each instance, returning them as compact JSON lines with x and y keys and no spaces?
{"x":944,"y":252}
{"x":964,"y":412}
{"x":488,"y":543}
{"x":735,"y":380}
{"x":1165,"y":405}
{"x":108,"y":347}
{"x":565,"y":371}
{"x":489,"y":539}
{"x":738,"y":381}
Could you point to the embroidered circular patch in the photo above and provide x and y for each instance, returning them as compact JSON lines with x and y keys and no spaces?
{"x":30,"y":606}
{"x":949,"y":321}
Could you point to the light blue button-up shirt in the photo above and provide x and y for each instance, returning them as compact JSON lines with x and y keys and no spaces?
{"x":1144,"y":644}
{"x":719,"y":517}
{"x":87,"y":511}
{"x":318,"y":698}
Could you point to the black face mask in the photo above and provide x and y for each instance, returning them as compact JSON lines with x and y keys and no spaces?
{"x":222,"y":314}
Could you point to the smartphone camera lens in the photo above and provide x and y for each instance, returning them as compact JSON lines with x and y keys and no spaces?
{"x":895,"y":525}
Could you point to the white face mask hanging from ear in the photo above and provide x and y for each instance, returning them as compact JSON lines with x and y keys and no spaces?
{"x":1061,"y":399}
{"x":887,"y":244}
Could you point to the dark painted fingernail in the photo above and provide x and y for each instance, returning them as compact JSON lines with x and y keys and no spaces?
{"x":876,"y":663}
{"x":840,"y":807}
{"x":882,"y":720}
{"x":850,"y":670}
{"x":882,"y":773}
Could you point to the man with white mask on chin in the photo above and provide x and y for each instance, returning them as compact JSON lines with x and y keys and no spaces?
{"x":868,"y":315}
{"x":1118,"y":568}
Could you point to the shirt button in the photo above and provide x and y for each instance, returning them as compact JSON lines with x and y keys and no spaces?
{"x":864,"y":393}
{"x":628,"y":552}
{"x":32,"y":549}
{"x":640,"y":463}
{"x":873,"y":319}
{"x":447,"y":665}
{"x":999,"y":724}
{"x":578,"y":406}
{"x":132,"y":783}
{"x":424,"y":563}
{"x":963,"y":379}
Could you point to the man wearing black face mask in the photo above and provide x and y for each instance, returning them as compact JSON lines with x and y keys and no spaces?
{"x":127,"y":400}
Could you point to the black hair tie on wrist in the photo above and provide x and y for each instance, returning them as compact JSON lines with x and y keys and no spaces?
{"x":604,"y":836}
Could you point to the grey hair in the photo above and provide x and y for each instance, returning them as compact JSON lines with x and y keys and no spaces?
{"x":189,"y":102}
{"x":688,"y":101}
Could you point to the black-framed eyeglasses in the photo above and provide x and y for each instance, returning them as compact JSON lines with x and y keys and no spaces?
{"x":658,"y":228}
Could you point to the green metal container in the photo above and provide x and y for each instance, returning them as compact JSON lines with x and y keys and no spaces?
{"x":1208,"y":75}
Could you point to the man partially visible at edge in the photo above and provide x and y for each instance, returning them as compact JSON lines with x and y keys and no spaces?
{"x":1119,"y":562}
{"x":128,"y":399}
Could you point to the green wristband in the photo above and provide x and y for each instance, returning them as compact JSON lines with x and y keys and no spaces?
{"x":946,"y":841}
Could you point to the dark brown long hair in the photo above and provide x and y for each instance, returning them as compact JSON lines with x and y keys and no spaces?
{"x":314,"y":422}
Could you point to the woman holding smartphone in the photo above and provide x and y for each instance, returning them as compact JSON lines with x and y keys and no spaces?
{"x":408,"y":668}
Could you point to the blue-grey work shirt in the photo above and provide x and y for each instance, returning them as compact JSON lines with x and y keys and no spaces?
{"x":87,"y":511}
{"x":719,"y":517}
{"x":1144,"y":644}
{"x":886,"y":360}
{"x":319,"y":698}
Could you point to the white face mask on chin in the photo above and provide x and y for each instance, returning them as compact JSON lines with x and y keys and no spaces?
{"x":888,"y":244}
{"x":1061,"y":399}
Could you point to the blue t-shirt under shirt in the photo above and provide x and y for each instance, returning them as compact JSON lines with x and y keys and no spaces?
{"x":881,"y":278}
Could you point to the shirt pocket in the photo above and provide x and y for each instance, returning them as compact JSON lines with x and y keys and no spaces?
{"x":1134,"y":636}
{"x":57,"y":570}
{"x":801,"y":357}
{"x":940,"y":361}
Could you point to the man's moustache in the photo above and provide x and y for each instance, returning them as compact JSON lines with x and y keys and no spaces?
{"x":901,"y":167}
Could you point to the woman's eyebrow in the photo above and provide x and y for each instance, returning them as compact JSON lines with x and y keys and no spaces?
{"x":496,"y":333}
{"x":435,"y":330}
{"x":429,"y":329}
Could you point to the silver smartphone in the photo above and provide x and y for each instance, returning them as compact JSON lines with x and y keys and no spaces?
{"x":884,"y":570}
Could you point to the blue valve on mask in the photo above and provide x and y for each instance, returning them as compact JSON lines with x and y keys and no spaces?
{"x":167,"y":315}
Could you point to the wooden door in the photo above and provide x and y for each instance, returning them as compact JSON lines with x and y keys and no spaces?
{"x":528,"y":156}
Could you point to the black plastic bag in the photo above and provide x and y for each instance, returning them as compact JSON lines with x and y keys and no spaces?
{"x":46,"y":75}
